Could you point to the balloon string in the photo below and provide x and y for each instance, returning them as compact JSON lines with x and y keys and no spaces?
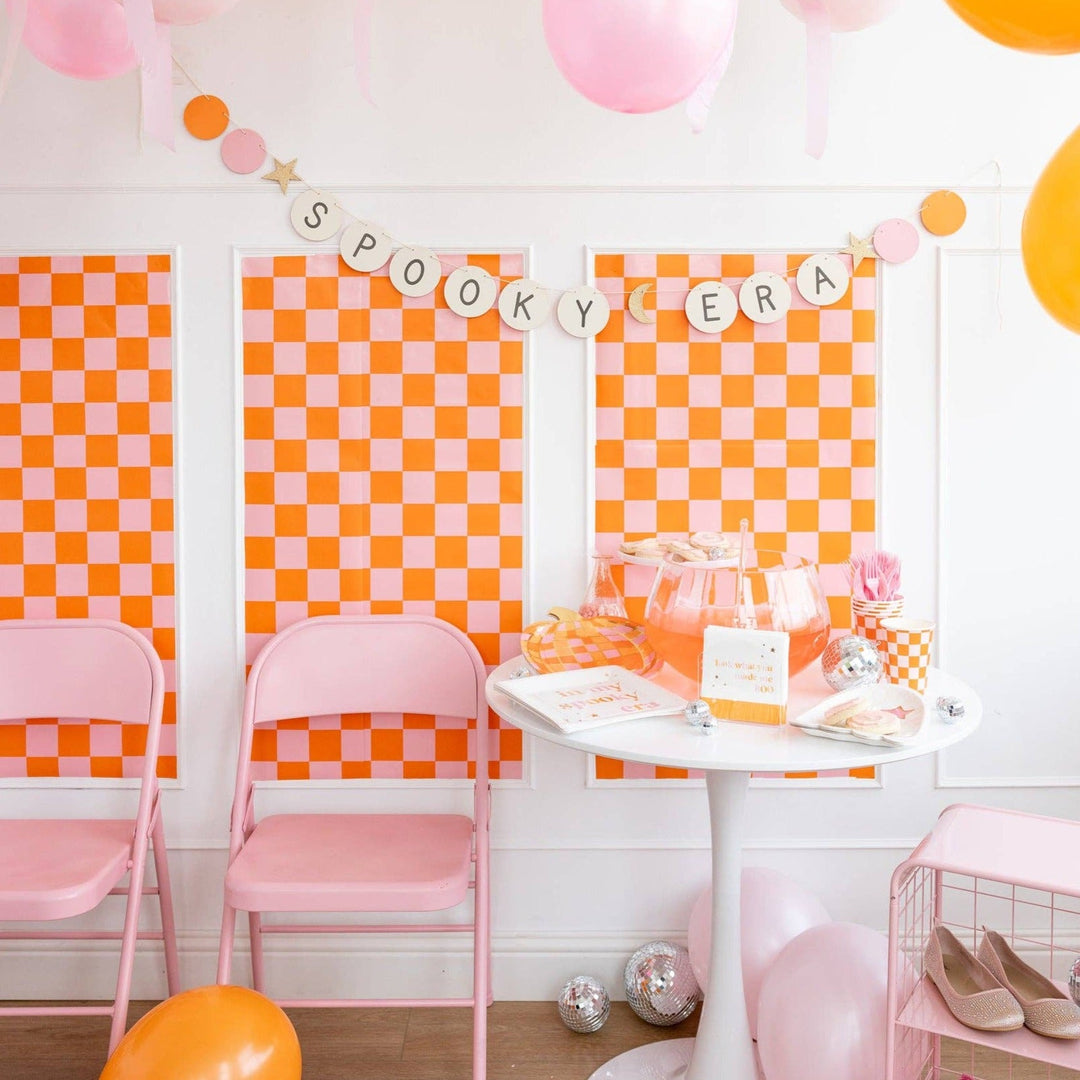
{"x":788,"y":275}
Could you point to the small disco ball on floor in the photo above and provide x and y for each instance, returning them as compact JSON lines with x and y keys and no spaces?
{"x":660,"y":984}
{"x":584,"y":1005}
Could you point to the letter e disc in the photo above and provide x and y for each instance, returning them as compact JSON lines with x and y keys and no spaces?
{"x":365,"y":247}
{"x":470,"y":291}
{"x":315,"y":216}
{"x":711,"y":307}
{"x":765,"y":297}
{"x":415,"y":271}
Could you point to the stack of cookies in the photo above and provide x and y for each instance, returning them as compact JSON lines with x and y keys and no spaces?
{"x":857,"y":716}
{"x":701,"y":547}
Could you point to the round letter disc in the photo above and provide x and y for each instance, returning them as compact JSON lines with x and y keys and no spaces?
{"x":415,"y":271}
{"x":711,"y":307}
{"x":765,"y":297}
{"x":822,"y":279}
{"x":524,"y":304}
{"x":315,"y":216}
{"x":365,"y":247}
{"x":470,"y":291}
{"x":583,"y":311}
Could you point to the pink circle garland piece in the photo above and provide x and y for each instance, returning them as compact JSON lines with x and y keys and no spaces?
{"x":896,"y":240}
{"x":85,"y":39}
{"x":243,"y":151}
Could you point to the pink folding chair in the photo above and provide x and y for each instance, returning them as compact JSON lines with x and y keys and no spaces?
{"x":363,"y":862}
{"x":59,"y":868}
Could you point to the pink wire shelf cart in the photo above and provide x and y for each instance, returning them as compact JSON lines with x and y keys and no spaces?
{"x":1015,"y":873}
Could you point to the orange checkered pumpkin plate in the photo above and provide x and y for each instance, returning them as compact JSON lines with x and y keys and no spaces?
{"x":566,"y":641}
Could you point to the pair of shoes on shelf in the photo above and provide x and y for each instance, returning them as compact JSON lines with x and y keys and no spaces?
{"x":995,"y":990}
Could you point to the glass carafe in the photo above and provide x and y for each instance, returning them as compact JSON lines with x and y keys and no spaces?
{"x":603,"y":596}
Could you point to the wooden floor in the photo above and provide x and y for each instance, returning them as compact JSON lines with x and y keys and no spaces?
{"x":526,"y":1042}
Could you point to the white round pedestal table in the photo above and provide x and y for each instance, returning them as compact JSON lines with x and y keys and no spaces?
{"x":723,"y":1049}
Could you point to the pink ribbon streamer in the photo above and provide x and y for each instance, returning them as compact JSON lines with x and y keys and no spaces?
{"x":818,"y":64}
{"x":141,"y":28}
{"x":362,"y":45}
{"x":156,"y":85}
{"x":16,"y":22}
{"x":697,"y":104}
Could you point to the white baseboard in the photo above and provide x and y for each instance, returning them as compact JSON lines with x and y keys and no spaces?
{"x":526,"y":967}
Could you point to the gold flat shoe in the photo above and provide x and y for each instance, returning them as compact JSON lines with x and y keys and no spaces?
{"x":969,"y":988}
{"x":1047,"y":1011}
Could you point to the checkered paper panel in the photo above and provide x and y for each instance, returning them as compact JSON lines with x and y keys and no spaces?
{"x":383,"y":474}
{"x":86,"y":480}
{"x":773,"y":423}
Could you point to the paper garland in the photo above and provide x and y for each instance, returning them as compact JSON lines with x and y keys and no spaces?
{"x":711,"y":306}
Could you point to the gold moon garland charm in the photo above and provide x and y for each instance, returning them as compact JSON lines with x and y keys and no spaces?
{"x":635,"y":304}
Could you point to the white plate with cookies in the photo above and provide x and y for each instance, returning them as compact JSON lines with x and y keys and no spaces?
{"x":883,"y":714}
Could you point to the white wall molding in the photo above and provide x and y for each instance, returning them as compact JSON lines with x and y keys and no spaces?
{"x":944,"y":778}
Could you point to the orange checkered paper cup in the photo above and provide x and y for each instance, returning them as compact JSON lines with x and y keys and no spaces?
{"x":906,"y":651}
{"x":866,"y":616}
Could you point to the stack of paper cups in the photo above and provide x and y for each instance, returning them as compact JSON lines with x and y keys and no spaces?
{"x":907,"y":651}
{"x":866,"y":616}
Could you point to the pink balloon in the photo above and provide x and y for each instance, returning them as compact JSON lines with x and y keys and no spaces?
{"x":637,"y":56}
{"x":775,"y":910}
{"x":823,"y":1001}
{"x":186,"y":12}
{"x":87,"y":39}
{"x":846,"y":14}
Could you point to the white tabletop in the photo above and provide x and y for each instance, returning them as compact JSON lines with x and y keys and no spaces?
{"x":670,"y":740}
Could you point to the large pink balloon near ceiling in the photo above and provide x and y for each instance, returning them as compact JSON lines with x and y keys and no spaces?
{"x":637,"y":56}
{"x":86,"y":39}
{"x":186,"y":12}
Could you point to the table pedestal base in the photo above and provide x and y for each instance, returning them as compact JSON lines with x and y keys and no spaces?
{"x":666,"y":1060}
{"x":722,"y":1049}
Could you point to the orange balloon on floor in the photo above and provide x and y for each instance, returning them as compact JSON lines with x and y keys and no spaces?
{"x":214,"y":1033}
{"x":1039,"y":26}
{"x":1050,"y":237}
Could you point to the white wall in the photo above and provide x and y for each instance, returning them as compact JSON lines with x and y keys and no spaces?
{"x":477,"y":143}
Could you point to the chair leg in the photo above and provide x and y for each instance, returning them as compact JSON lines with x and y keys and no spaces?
{"x":481,"y":973}
{"x":225,"y":948}
{"x":127,"y":948}
{"x":168,"y":921}
{"x":255,"y":933}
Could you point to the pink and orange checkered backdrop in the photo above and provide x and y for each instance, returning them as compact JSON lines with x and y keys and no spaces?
{"x":86,"y":479}
{"x":383,"y":473}
{"x":774,"y":423}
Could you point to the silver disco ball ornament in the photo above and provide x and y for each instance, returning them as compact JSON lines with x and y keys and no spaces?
{"x":584,"y":1005}
{"x":697,"y":712}
{"x":1074,"y":981}
{"x":660,"y":984}
{"x":851,"y":661}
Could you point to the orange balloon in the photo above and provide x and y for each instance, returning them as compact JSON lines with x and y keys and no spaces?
{"x":1038,"y":26}
{"x":213,"y":1033}
{"x":1050,"y":237}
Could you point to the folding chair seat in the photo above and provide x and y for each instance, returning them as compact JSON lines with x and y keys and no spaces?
{"x":321,"y":862}
{"x":57,"y":868}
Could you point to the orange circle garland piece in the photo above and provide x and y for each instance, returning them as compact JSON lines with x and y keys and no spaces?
{"x":206,"y":116}
{"x":943,"y":213}
{"x":567,"y":641}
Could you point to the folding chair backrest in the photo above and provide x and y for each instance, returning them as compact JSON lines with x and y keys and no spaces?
{"x":367,"y":663}
{"x":78,"y":668}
